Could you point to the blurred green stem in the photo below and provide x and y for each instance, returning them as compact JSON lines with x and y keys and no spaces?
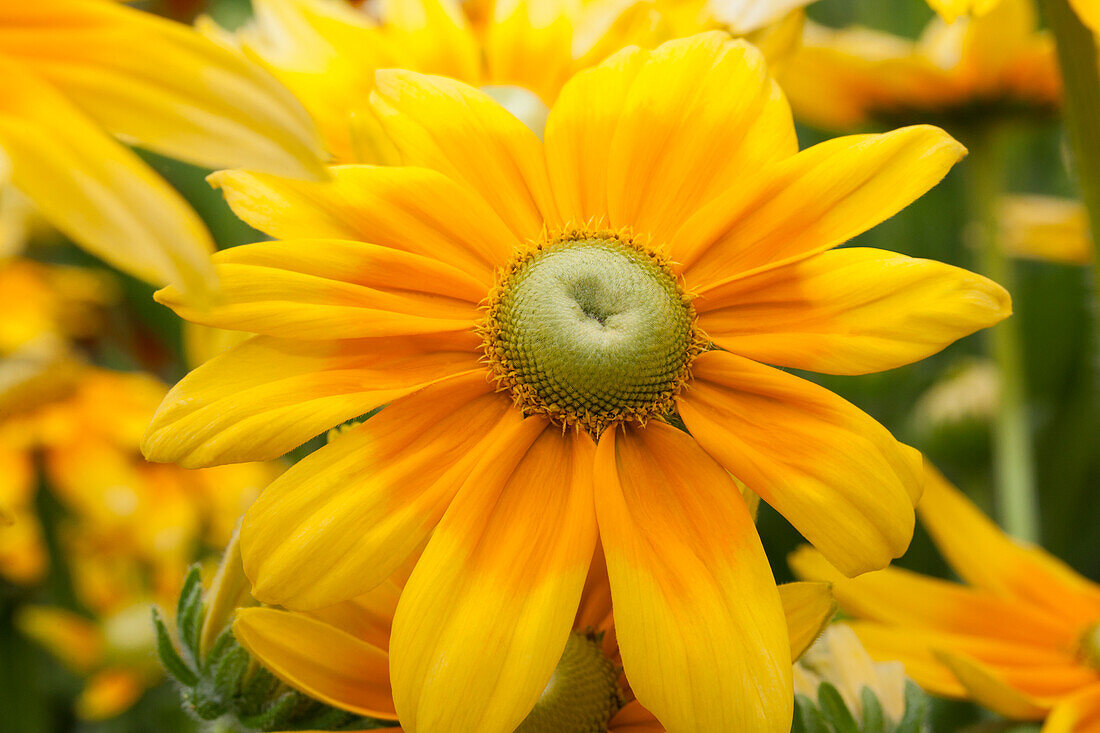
{"x":1013,"y":456}
{"x":1080,"y":64}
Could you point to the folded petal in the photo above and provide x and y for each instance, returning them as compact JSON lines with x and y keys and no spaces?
{"x":331,"y":289}
{"x":986,"y":557}
{"x":902,"y":597}
{"x":683,"y":123}
{"x":986,"y":687}
{"x":811,"y":202}
{"x":97,"y":192}
{"x":410,"y":209}
{"x":368,"y":617}
{"x":343,"y":519}
{"x":849,"y":311}
{"x":837,"y":475}
{"x":488,"y":609}
{"x":452,"y":128}
{"x":699,"y":620}
{"x":809,"y":607}
{"x":231,"y":113}
{"x":322,"y":661}
{"x":266,"y":396}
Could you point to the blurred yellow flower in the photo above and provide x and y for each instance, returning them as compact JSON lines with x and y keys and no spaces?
{"x":520,"y":51}
{"x":77,"y":72}
{"x":1046,"y":228}
{"x":1087,"y":10}
{"x":664,"y":173}
{"x":1020,"y":637}
{"x":130,"y":528}
{"x":998,"y":63}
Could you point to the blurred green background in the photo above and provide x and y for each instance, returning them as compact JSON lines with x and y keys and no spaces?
{"x":1055,"y":305}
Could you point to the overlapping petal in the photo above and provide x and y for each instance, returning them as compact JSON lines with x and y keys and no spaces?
{"x":488,"y":609}
{"x":1079,"y":713}
{"x":229,"y":113}
{"x":347,"y":516}
{"x":811,"y":202}
{"x":324,"y":661}
{"x":850,"y":311}
{"x":452,"y":128}
{"x":809,"y":606}
{"x":266,"y":396}
{"x":697,"y":614}
{"x":989,"y":689}
{"x":96,"y":191}
{"x":837,"y":475}
{"x":415,"y":210}
{"x":333,"y":289}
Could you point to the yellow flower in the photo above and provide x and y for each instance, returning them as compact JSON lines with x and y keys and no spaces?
{"x":131,"y":528}
{"x":339,"y":655}
{"x":77,"y":72}
{"x":1046,"y":228}
{"x":1087,"y":10}
{"x":998,"y":63}
{"x":520,"y":51}
{"x":665,"y":239}
{"x":1019,"y":637}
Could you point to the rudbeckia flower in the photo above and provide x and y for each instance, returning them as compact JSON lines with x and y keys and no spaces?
{"x":1019,"y":636}
{"x":979,"y":67}
{"x":571,"y":326}
{"x":78,"y":73}
{"x":339,"y":655}
{"x":521,"y":51}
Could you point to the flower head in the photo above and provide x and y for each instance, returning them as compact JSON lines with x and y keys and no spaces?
{"x":980,"y":67}
{"x":79,"y":72}
{"x":1018,"y":637}
{"x":532,"y":312}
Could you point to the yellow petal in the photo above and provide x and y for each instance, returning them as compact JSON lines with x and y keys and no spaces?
{"x":850,"y":311}
{"x":74,"y":639}
{"x":949,"y":10}
{"x":109,"y":692}
{"x":343,"y":519}
{"x":988,"y":689}
{"x":368,"y":617}
{"x":331,"y":289}
{"x":409,"y":209}
{"x":1079,"y":713}
{"x":530,"y":44}
{"x":434,"y":37}
{"x":1089,"y":13}
{"x":991,"y":42}
{"x":449,"y":127}
{"x":699,"y":113}
{"x":319,"y":660}
{"x":986,"y":557}
{"x":266,"y":396}
{"x":809,"y":607}
{"x":96,"y":191}
{"x":699,"y":621}
{"x":1046,"y":228}
{"x":230,"y":114}
{"x":812,"y":202}
{"x":849,"y":488}
{"x":901,"y":597}
{"x":490,"y":605}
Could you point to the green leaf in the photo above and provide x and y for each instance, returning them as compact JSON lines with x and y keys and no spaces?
{"x":166,"y":650}
{"x":230,"y":671}
{"x":916,"y":709}
{"x":277,"y":715}
{"x":874,"y":720}
{"x":189,"y":613}
{"x":807,"y":717}
{"x":836,"y":712}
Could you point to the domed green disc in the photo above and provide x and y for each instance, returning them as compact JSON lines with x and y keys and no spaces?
{"x":593,"y":331}
{"x":581,"y":696}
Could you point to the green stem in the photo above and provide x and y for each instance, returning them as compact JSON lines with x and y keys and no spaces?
{"x":1013,"y":459}
{"x":1078,"y":58}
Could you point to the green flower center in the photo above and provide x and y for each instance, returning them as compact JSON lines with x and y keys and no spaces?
{"x":590,"y":330}
{"x":581,"y":696}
